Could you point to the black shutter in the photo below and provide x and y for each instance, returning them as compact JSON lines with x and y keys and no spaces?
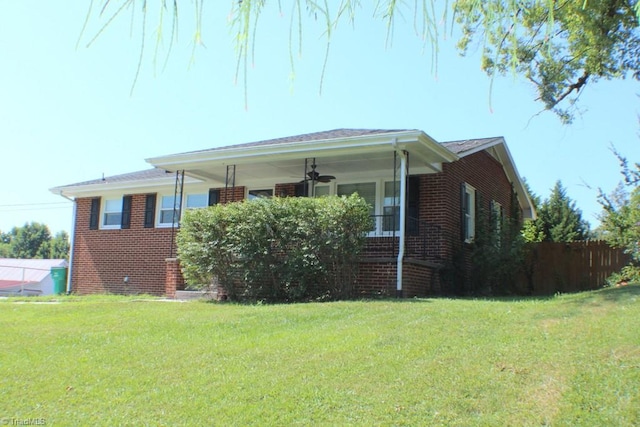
{"x":214,"y":197}
{"x":479,"y":207}
{"x":149,"y":211}
{"x":94,"y":216}
{"x":463,"y":211}
{"x":300,"y":190}
{"x":479,"y":204}
{"x":126,"y":212}
{"x":413,"y":203}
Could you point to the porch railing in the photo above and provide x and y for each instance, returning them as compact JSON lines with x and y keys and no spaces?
{"x":424,"y":240}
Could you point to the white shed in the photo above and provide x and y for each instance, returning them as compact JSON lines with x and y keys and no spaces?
{"x":28,"y":276}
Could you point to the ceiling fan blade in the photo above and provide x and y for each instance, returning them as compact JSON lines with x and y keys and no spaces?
{"x":325,"y":178}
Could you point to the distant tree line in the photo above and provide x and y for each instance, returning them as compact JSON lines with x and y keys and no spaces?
{"x":620,"y":218}
{"x":34,"y":241}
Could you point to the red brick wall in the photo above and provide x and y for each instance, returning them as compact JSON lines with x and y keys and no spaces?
{"x":102,"y":258}
{"x":440,"y":202}
{"x":232,"y":194}
{"x":173,"y":277}
{"x":378,"y":278}
{"x":285,"y":190}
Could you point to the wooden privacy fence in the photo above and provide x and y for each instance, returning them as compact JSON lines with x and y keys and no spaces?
{"x":570,"y":267}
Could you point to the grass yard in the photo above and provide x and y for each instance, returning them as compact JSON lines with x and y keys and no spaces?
{"x":567,"y":360}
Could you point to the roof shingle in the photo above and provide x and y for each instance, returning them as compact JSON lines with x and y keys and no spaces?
{"x":315,"y":136}
{"x":128,"y":177}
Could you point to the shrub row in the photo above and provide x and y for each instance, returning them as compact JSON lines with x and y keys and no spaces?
{"x":276,"y":250}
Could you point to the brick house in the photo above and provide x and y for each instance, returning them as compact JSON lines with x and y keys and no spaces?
{"x":424,"y":196}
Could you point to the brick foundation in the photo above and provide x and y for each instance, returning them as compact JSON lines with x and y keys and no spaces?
{"x":173,"y":278}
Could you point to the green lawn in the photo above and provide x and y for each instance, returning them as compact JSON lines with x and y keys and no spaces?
{"x":567,"y":360}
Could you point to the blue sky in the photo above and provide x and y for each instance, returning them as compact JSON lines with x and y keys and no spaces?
{"x":67,"y":115}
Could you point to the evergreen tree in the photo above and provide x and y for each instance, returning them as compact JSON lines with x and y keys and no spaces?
{"x":531,"y":229}
{"x":559,"y":218}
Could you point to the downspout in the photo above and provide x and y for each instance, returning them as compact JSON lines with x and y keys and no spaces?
{"x":72,"y":235}
{"x":402,"y":225}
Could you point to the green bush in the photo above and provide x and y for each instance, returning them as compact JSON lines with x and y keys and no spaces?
{"x":276,"y":250}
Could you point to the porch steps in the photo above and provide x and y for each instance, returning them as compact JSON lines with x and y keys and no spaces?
{"x":195,"y":295}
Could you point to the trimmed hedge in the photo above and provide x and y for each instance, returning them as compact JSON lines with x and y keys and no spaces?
{"x":276,"y":250}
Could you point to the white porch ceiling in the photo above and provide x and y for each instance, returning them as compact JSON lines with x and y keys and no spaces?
{"x":292,"y":170}
{"x":345,"y":158}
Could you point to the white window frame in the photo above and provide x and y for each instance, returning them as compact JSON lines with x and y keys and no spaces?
{"x":249,"y":190}
{"x":188,"y":195}
{"x":469,"y":213}
{"x":379,"y":205}
{"x":383,"y":205}
{"x":329,"y":185}
{"x":159,"y":223}
{"x":185,"y":206}
{"x":104,"y":212}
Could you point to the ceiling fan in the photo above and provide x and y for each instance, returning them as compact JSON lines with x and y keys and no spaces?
{"x":315,"y":176}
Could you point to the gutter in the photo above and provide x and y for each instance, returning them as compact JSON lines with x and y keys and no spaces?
{"x":403,"y":212}
{"x":71,"y":239}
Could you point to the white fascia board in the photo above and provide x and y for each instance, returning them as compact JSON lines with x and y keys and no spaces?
{"x":130,"y":187}
{"x":509,"y":167}
{"x":432,"y":145}
{"x":512,"y":173}
{"x":285,"y":151}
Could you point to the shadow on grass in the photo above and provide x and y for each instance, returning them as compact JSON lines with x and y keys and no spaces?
{"x":616,"y":294}
{"x":619,"y":293}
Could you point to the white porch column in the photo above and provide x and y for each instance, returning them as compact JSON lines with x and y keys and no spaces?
{"x":403,"y":208}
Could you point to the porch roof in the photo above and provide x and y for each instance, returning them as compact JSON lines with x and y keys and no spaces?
{"x":343,"y":152}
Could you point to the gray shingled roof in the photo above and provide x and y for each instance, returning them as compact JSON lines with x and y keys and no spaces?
{"x":315,"y":136}
{"x":456,"y":147}
{"x":465,"y":145}
{"x":144,"y":175}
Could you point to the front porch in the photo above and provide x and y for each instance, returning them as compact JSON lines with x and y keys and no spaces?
{"x":376,"y":167}
{"x":422,"y":264}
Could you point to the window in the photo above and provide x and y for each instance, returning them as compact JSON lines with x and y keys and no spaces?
{"x":322,"y":190}
{"x":468,"y":212}
{"x":391,"y":206}
{"x":365,"y":190}
{"x":112,"y":213}
{"x":195,"y":201}
{"x":166,"y":211}
{"x":260,"y":194}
